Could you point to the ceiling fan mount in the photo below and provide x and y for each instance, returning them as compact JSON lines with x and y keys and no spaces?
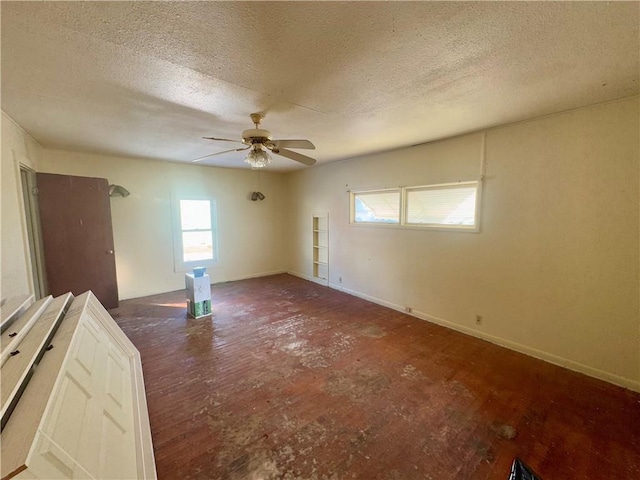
{"x":256,"y":135}
{"x":260,"y":143}
{"x":256,"y":118}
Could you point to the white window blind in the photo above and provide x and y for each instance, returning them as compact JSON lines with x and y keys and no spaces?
{"x":382,"y":206}
{"x":449,"y":205}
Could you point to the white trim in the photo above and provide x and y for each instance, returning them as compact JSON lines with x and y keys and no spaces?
{"x":403,"y":207}
{"x":483,"y":156}
{"x":477,"y":219}
{"x":32,"y":217}
{"x":179,"y":265}
{"x":319,"y":281}
{"x":448,"y":184}
{"x":518,"y":347}
{"x":352,"y":206}
{"x":38,"y":307}
{"x":139,"y":294}
{"x":475,"y":228}
{"x":145,"y":459}
{"x":11,"y":308}
{"x":251,"y":275}
{"x":26,"y":248}
{"x":369,"y":298}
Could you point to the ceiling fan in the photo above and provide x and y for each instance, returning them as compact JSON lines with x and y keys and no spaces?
{"x":260,"y":143}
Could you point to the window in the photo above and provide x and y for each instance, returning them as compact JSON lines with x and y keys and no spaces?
{"x":442,"y":205}
{"x":196,"y":236}
{"x":452,"y":206}
{"x":379,"y":206}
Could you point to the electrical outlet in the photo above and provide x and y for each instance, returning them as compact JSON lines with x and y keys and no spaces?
{"x":408,"y":309}
{"x":478,"y":319}
{"x":339,"y":279}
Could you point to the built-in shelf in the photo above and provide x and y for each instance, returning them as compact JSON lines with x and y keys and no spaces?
{"x":321,"y":246}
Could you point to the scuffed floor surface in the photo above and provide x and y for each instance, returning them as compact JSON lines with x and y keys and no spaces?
{"x":292,"y":380}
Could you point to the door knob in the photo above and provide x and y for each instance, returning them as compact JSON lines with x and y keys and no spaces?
{"x":110,"y":252}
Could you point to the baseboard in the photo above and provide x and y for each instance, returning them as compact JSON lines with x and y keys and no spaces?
{"x":319,"y":281}
{"x":140,"y":294}
{"x":253,"y":275}
{"x":364,"y":296}
{"x":518,"y":347}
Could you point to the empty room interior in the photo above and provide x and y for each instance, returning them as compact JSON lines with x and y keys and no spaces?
{"x":323,"y":240}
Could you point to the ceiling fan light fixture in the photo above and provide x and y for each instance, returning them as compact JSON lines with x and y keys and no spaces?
{"x":261,"y":144}
{"x":257,"y":157}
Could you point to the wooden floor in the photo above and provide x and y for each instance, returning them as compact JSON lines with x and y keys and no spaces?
{"x":292,"y":380}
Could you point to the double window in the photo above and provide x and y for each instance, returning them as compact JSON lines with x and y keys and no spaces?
{"x":453,"y":206}
{"x":196,"y":236}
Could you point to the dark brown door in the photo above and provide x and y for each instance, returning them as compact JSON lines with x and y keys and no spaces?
{"x":77,"y":236}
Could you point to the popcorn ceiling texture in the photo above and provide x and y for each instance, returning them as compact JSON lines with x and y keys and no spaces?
{"x":149,"y":79}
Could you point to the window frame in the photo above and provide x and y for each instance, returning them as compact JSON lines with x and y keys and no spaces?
{"x":403,"y":223}
{"x":352,"y":207}
{"x":440,"y":226}
{"x":178,"y":253}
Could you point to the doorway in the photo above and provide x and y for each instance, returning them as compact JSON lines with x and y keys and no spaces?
{"x":34,"y":233}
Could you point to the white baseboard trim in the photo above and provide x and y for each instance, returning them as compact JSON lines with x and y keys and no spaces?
{"x":252,"y":275}
{"x":518,"y":347}
{"x":319,"y":281}
{"x":147,"y":293}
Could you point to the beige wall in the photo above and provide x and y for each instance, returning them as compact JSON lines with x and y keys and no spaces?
{"x":555,"y":269}
{"x":251,"y":234}
{"x":17,"y":148}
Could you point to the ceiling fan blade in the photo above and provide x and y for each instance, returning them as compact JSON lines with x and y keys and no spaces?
{"x":221,"y":139}
{"x":294,"y":144}
{"x":298,"y":157}
{"x":219,"y":153}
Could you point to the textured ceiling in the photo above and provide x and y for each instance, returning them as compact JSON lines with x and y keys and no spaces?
{"x":149,"y":79}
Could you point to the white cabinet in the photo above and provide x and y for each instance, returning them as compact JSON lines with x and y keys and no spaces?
{"x":83,"y":413}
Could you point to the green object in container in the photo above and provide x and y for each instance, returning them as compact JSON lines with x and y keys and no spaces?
{"x":199,"y":309}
